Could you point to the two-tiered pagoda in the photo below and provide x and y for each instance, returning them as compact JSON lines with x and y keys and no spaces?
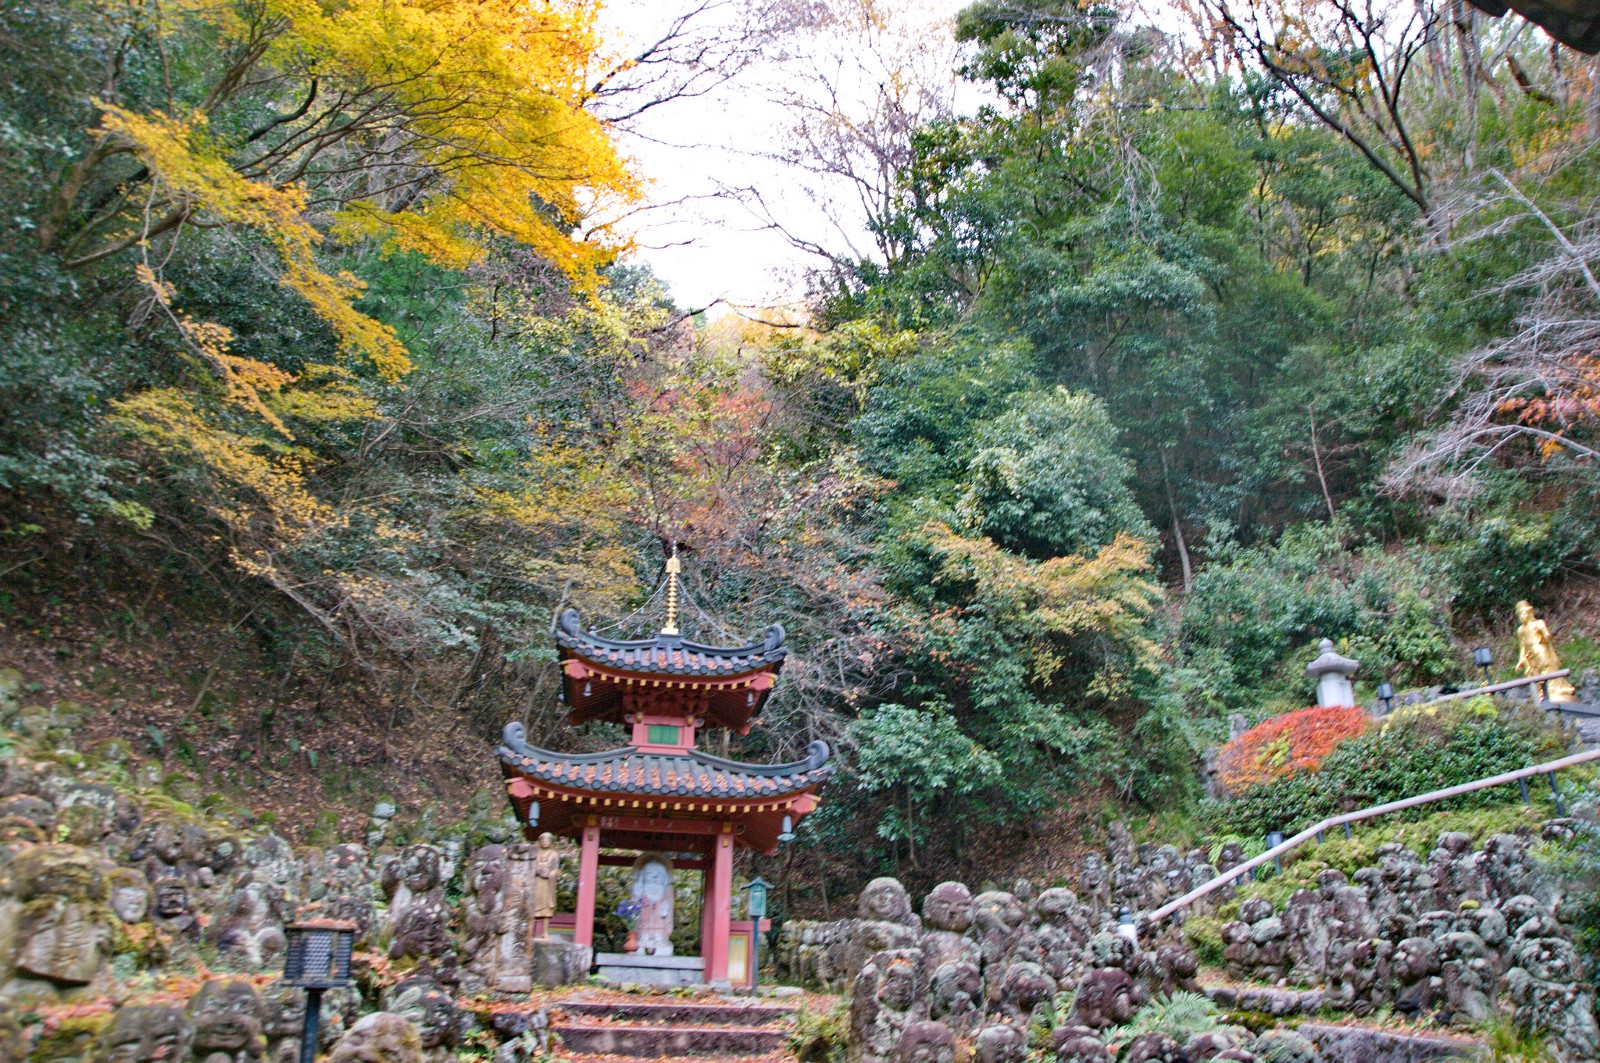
{"x":660,"y":793}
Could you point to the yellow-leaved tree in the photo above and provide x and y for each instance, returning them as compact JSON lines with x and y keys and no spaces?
{"x":427,"y":126}
{"x":299,"y":138}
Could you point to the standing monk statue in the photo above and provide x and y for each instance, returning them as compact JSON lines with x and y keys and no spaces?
{"x":1538,"y":654}
{"x":546,"y":873}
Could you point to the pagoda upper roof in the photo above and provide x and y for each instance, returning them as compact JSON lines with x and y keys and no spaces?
{"x":666,"y":654}
{"x":734,"y":680}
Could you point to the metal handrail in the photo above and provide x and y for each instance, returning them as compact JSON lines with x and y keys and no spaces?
{"x":1495,"y":688}
{"x":1282,"y":848}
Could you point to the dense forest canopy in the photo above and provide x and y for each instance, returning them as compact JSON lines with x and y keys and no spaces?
{"x":1194,"y":341}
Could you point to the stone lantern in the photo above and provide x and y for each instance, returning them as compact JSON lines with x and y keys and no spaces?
{"x":1332,"y":673}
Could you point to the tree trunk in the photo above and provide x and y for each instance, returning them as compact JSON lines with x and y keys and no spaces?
{"x":1177,"y":525}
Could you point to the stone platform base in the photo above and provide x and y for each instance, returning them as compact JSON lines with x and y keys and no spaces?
{"x":1351,"y":1044}
{"x":651,"y":970}
{"x":559,"y":963}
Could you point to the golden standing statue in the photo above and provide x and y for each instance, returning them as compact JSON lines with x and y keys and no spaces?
{"x":1538,"y":654}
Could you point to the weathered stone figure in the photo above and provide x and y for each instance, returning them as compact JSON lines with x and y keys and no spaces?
{"x":225,"y":1017}
{"x":927,"y":1042}
{"x":546,"y":878}
{"x":886,"y":997}
{"x":947,"y":915}
{"x":955,"y":994}
{"x":379,"y":1038}
{"x":427,"y":1005}
{"x":142,"y":1033}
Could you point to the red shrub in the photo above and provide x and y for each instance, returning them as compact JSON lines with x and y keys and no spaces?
{"x":1286,"y":745}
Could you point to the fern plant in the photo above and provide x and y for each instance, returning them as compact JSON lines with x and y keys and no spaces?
{"x":1181,"y":1016}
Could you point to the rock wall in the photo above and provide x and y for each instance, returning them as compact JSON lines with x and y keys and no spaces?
{"x":1451,"y":938}
{"x":135,"y":926}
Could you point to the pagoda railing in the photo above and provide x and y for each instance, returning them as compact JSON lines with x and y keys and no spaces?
{"x":1277,"y":852}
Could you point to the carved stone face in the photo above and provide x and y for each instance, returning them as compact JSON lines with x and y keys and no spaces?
{"x":283,"y":1008}
{"x":130,"y":896}
{"x":654,"y":882}
{"x":956,"y":988}
{"x":36,"y":810}
{"x":884,"y":900}
{"x":62,"y":870}
{"x":998,"y":912}
{"x":142,"y":1033}
{"x":1106,"y":997}
{"x":1329,"y":880}
{"x":165,"y":844}
{"x":419,"y":868}
{"x":1001,"y":1044}
{"x":172,"y":898}
{"x":927,"y":1042}
{"x":426,"y":1004}
{"x":897,"y":987}
{"x":423,"y":931}
{"x":60,"y":940}
{"x":948,"y":907}
{"x":226,"y":1017}
{"x":1056,"y":907}
{"x":1026,"y":985}
{"x":1415,"y":959}
{"x":486,"y":874}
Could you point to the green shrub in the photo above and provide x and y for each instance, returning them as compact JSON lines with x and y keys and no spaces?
{"x":1203,"y":934}
{"x":820,"y":1037}
{"x":1409,"y":754}
{"x":1251,"y":622}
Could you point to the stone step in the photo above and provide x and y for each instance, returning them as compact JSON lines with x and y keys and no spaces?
{"x":617,"y":1039}
{"x":658,"y":1012}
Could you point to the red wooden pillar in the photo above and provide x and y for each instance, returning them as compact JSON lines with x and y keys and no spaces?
{"x":588,"y":880}
{"x":721,"y":904}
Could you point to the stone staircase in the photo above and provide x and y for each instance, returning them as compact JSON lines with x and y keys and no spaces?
{"x":662,"y":1025}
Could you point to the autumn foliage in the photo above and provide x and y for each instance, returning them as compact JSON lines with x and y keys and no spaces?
{"x":1287,"y":745}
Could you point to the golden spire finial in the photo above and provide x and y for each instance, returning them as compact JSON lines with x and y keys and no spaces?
{"x":669,"y":624}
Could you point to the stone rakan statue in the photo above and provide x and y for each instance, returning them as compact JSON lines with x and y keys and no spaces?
{"x":1536,"y":654}
{"x":652,"y":889}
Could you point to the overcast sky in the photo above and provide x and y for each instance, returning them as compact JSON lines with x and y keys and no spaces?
{"x":708,"y":248}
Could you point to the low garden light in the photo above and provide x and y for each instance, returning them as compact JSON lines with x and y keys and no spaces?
{"x":1127,"y":927}
{"x":1386,"y":695}
{"x":1275,"y":839}
{"x":756,"y":908}
{"x":1483,"y":657}
{"x":317,"y":959}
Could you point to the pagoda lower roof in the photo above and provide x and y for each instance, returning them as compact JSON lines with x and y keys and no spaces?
{"x":688,"y":773}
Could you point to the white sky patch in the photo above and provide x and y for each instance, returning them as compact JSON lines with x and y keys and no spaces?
{"x":705,"y":245}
